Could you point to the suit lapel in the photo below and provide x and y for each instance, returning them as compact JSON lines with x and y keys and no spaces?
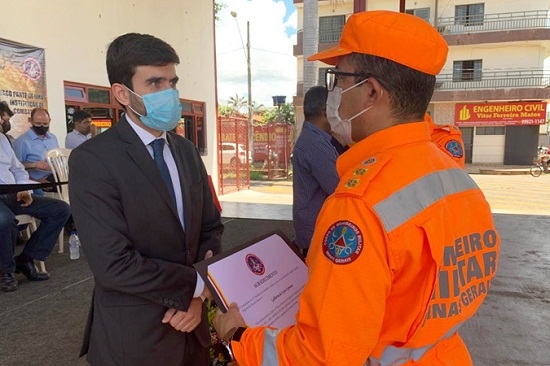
{"x":144,"y":162}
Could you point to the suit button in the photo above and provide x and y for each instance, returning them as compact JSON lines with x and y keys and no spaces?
{"x":161,"y":299}
{"x":171,"y":302}
{"x":176,"y":303}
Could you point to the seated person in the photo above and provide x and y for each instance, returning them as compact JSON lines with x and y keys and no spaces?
{"x":32,"y":146}
{"x":52,"y":214}
{"x":5,"y":114}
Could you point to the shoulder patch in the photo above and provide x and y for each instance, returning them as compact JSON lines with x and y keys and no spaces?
{"x":343,"y":242}
{"x":454,"y":147}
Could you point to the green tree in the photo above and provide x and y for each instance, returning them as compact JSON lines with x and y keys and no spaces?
{"x":257,"y":108}
{"x":224,"y":110}
{"x":217,"y":8}
{"x":283,"y":114}
{"x":237,"y":103}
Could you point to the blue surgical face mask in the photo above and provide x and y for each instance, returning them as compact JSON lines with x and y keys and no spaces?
{"x":163,"y":109}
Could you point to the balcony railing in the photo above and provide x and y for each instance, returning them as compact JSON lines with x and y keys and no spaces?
{"x":494,"y":22}
{"x":468,"y":80}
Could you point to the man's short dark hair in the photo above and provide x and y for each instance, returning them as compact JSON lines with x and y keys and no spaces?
{"x":131,"y":50}
{"x":35,"y":110}
{"x":315,"y":102}
{"x":81,"y":115}
{"x":5,"y":108}
{"x":410,"y":90}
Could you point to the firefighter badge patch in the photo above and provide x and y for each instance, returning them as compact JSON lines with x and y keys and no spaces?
{"x":343,"y":242}
{"x":454,"y":148}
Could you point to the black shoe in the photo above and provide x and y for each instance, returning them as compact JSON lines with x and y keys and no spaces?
{"x":29,"y":270}
{"x":9,"y":282}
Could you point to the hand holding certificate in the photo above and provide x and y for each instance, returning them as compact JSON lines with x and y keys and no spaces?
{"x":265,"y":279}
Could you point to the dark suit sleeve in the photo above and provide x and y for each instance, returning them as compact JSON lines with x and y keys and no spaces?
{"x":211,"y":228}
{"x":99,"y":210}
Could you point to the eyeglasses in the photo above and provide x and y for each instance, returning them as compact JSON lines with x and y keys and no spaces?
{"x":332,"y":75}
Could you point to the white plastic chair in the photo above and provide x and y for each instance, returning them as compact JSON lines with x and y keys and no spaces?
{"x":31,"y":226}
{"x":58,"y":159}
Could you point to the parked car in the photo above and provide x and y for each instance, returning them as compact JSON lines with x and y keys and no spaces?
{"x":229,"y":154}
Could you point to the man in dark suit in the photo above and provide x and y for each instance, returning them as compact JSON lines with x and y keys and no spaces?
{"x":144,"y":210}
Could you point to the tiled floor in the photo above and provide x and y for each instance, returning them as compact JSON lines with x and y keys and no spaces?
{"x":248,"y":210}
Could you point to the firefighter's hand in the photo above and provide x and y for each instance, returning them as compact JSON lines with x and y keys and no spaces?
{"x":223,"y":323}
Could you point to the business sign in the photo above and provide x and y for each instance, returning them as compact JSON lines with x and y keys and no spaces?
{"x":22,"y":81}
{"x":500,"y":114}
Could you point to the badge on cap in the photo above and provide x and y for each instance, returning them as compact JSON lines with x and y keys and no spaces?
{"x":454,"y":148}
{"x":343,"y":242}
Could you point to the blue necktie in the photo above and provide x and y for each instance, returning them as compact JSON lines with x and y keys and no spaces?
{"x":158,"y":147}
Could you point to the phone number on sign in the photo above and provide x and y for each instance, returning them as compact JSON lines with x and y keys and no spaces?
{"x":532,"y":121}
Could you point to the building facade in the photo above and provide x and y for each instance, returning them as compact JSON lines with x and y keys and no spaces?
{"x":496,"y":82}
{"x":73,"y":37}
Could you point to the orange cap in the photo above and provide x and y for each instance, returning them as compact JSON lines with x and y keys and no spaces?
{"x":403,"y":38}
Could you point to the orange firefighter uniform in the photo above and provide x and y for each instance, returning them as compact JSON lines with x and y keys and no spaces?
{"x":403,"y":254}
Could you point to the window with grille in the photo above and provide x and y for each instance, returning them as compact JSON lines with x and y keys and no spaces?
{"x":422,"y":13}
{"x":468,"y":70}
{"x":330,"y":28}
{"x":468,"y":15}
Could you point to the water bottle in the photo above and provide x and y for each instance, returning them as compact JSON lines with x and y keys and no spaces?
{"x":74,"y":246}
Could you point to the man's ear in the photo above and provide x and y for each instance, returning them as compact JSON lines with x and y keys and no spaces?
{"x":121,"y":93}
{"x":376,"y":91}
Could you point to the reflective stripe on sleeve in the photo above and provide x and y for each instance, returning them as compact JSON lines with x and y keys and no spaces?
{"x":412,"y":199}
{"x":270,"y":350}
{"x":395,"y":356}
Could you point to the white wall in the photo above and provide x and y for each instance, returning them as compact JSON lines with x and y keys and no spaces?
{"x":444,"y":113}
{"x":337,"y":9}
{"x":383,"y":5}
{"x":447,"y":8}
{"x":76,"y":34}
{"x":498,"y":56}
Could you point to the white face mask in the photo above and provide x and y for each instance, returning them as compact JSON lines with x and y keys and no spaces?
{"x":337,"y":125}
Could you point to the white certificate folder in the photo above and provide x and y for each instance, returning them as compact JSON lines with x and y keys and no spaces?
{"x":264,"y":277}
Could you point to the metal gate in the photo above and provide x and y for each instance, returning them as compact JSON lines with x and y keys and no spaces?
{"x":272,"y":148}
{"x":234,"y":154}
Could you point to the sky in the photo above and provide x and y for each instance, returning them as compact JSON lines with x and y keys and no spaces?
{"x":273,"y":26}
